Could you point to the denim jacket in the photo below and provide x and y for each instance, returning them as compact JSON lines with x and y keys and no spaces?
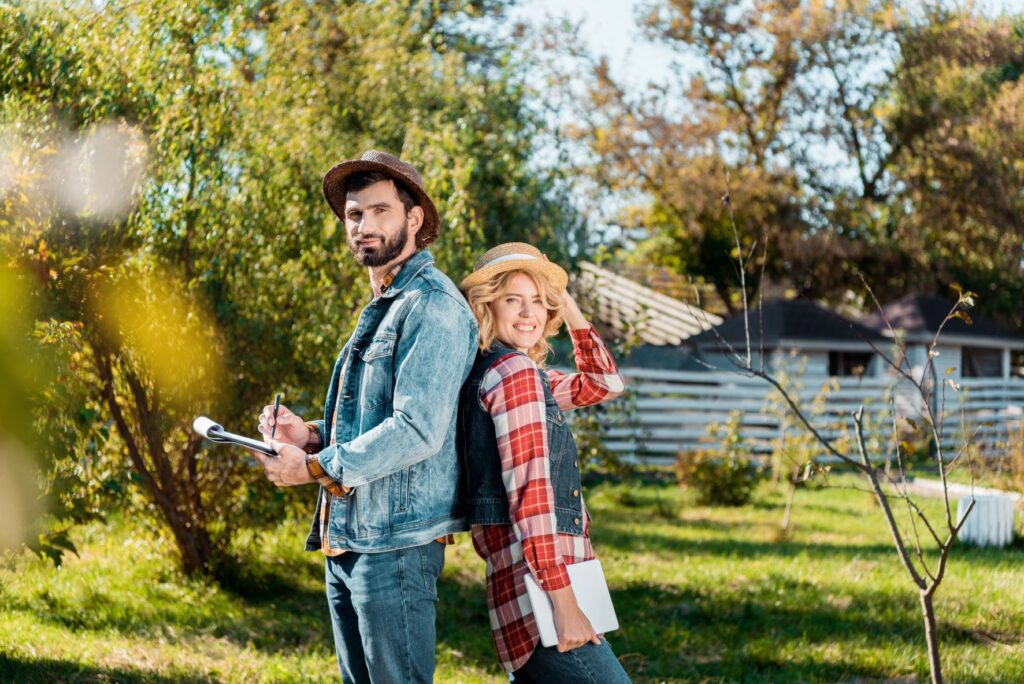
{"x":482,"y":482}
{"x":396,"y":385}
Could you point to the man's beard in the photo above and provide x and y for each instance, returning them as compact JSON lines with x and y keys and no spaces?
{"x":384,"y":254}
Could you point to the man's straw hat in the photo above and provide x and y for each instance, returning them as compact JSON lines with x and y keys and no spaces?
{"x":515,"y":256}
{"x":372,"y":160}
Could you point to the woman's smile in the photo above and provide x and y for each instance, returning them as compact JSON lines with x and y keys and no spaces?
{"x":519,"y":313}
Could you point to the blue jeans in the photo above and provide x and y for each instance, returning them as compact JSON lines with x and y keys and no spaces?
{"x":382,"y":611}
{"x":589,"y":664}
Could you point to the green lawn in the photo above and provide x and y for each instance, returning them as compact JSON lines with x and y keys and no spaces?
{"x":703,"y":595}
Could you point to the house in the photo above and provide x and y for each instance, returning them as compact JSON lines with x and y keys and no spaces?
{"x":681,"y":379}
{"x":979,"y":349}
{"x":781,"y":329}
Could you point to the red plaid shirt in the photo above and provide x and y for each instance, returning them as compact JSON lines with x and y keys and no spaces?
{"x":513,"y":393}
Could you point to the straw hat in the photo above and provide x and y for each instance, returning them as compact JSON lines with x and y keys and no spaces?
{"x":372,"y":160}
{"x":515,"y":256}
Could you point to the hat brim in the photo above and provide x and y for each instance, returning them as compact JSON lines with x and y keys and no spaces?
{"x":334,"y":191}
{"x":555,"y":275}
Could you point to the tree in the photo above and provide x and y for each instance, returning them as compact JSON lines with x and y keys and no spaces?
{"x":956,"y":106}
{"x":857,"y":135}
{"x":214,"y":273}
{"x":766,"y":86}
{"x":924,"y":545}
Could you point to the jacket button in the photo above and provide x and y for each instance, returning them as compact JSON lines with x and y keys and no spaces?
{"x":575,"y":492}
{"x":576,"y":520}
{"x":575,"y":464}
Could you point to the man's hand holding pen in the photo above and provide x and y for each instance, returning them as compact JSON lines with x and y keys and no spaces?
{"x":290,"y":436}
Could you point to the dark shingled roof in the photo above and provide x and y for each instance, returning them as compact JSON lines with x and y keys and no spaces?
{"x":786,"y":319}
{"x":923,"y":314}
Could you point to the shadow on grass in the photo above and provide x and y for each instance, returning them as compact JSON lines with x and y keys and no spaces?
{"x":272,"y":608}
{"x":745,"y":634}
{"x":48,"y":671}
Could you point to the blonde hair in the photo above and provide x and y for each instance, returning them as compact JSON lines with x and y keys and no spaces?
{"x":480,"y":297}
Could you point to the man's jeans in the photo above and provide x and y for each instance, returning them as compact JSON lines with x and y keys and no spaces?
{"x":382,"y":610}
{"x":589,"y":663}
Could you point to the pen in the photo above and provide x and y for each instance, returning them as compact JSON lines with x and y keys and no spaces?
{"x":277,"y":405}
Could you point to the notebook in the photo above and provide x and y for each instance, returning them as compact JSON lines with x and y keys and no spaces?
{"x":592,"y":595}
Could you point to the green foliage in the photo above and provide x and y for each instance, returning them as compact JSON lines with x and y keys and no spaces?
{"x":164,"y":205}
{"x":725,"y":476}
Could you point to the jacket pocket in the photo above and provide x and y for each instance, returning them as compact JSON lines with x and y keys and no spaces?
{"x":378,"y":371}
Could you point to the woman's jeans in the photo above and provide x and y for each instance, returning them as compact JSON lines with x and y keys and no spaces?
{"x":382,"y":611}
{"x":589,"y":663}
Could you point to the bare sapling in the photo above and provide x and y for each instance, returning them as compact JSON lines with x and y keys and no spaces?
{"x":923,"y":547}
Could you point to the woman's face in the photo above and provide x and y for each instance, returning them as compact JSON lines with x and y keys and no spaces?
{"x":519,"y":313}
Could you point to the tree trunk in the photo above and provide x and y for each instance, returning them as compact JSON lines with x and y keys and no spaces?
{"x":151,"y":461}
{"x":193,"y":543}
{"x":931,"y":636}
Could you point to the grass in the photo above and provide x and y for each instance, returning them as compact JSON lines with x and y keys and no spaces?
{"x":703,"y":595}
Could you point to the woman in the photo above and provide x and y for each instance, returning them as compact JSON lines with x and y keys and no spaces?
{"x":521,"y":465}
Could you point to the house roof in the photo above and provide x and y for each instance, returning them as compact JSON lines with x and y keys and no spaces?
{"x":787,"y":321}
{"x":621,"y":305}
{"x":919,"y":317}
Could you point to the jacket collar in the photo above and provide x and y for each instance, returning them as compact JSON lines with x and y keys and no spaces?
{"x":410,"y":269}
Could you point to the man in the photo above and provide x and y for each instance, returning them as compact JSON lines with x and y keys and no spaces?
{"x":384,"y":454}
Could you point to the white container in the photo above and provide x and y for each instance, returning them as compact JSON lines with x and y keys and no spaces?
{"x":990,"y":522}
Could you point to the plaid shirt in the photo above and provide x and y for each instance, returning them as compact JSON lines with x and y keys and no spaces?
{"x":514,"y":396}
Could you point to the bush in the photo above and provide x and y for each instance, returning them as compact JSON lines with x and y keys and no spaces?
{"x":1005,"y":467}
{"x":720,"y":478}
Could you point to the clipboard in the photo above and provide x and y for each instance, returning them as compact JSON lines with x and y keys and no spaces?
{"x":218,"y":435}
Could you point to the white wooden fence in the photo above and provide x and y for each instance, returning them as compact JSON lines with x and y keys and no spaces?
{"x":666,"y":412}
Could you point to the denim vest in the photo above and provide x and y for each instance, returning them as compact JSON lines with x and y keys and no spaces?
{"x":482,"y":485}
{"x":393,"y":397}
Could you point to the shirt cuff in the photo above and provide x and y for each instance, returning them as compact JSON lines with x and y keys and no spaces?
{"x":316,"y":471}
{"x":584,"y":335}
{"x":550,"y":579}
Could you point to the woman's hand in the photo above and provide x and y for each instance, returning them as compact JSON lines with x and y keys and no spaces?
{"x":290,"y":428}
{"x":574,"y":319}
{"x":571,"y":625}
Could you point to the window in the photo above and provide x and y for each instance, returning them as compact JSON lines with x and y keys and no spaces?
{"x":981,"y":363}
{"x":844,"y":363}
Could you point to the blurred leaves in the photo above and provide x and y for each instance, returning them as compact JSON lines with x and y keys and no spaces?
{"x":170,"y":336}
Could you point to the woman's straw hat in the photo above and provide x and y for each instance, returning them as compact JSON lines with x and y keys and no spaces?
{"x":515,"y":256}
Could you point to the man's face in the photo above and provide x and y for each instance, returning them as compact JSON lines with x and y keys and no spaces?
{"x":377,"y":228}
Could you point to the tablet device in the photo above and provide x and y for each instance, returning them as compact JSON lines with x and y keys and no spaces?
{"x":587,"y":580}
